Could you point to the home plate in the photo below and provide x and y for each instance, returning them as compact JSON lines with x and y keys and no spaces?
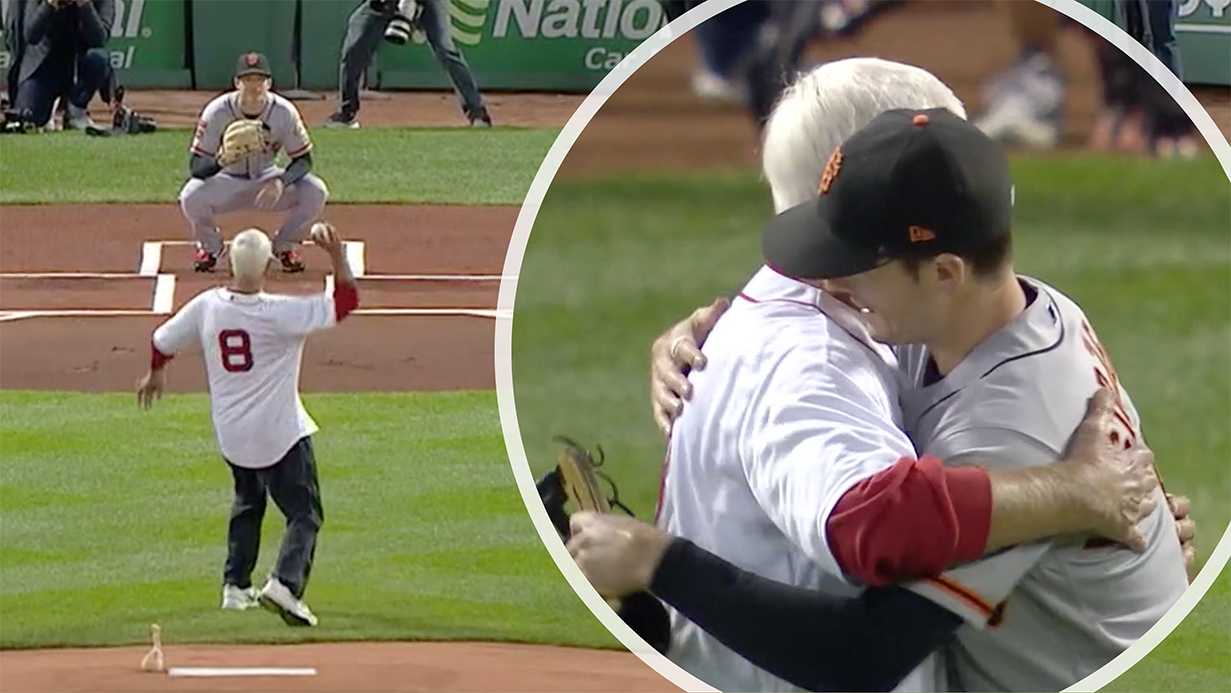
{"x":241,"y":671}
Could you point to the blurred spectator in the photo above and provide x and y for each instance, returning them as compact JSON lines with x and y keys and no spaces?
{"x":726,"y":43}
{"x":58,"y":50}
{"x":1026,"y":102}
{"x":1139,"y":115}
{"x":1152,"y":23}
{"x":758,"y":52}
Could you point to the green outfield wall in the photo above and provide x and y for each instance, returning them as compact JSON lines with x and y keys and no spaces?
{"x":1204,"y":30}
{"x":533,"y":45}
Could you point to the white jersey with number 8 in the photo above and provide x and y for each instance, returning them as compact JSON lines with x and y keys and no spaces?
{"x":252,"y":345}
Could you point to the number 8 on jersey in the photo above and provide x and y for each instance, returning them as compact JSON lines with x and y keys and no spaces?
{"x":235,"y":347}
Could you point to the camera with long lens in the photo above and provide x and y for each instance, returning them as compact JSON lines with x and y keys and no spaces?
{"x":406,"y":16}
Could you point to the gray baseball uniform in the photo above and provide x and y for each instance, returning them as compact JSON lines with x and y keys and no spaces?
{"x":1043,"y":616}
{"x":236,"y":186}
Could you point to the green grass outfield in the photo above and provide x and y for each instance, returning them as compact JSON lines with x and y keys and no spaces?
{"x":112,"y":518}
{"x":115,"y":518}
{"x":1144,"y":247}
{"x":438,"y":166}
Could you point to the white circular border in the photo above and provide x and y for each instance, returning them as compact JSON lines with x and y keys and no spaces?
{"x":504,"y":336}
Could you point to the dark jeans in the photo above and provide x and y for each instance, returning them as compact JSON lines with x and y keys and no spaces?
{"x":1152,"y":23}
{"x":796,"y":23}
{"x":728,"y":38}
{"x":366,"y":29}
{"x":75,"y":79}
{"x":1166,"y":46}
{"x":293,"y":486}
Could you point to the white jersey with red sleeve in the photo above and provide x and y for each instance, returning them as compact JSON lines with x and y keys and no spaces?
{"x":1043,"y":616}
{"x":284,"y":132}
{"x":792,"y":410}
{"x":253,"y":345}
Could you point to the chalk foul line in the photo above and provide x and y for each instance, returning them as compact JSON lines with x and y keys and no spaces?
{"x":12,"y":315}
{"x":366,"y":277}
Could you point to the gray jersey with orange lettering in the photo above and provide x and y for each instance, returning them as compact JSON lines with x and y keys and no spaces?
{"x":283,"y":125}
{"x":1043,"y":616}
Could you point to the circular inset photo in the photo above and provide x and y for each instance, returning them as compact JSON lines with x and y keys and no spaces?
{"x":884,"y":346}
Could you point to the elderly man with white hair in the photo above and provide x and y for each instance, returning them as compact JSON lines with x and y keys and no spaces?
{"x":252,"y":342}
{"x":793,"y":506}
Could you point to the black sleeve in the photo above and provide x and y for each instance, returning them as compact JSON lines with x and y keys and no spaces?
{"x":38,"y":16}
{"x":297,"y":169}
{"x":203,"y":166}
{"x":814,"y":640}
{"x":95,"y":22}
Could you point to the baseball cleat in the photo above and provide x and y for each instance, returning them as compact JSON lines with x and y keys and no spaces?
{"x":290,"y":261}
{"x":482,"y":120}
{"x":205,"y":261}
{"x":341,"y":120}
{"x":239,"y":598}
{"x":277,"y":597}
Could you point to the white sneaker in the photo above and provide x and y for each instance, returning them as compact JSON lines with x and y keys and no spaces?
{"x":711,"y":87}
{"x":239,"y":599}
{"x":1015,"y":120}
{"x":1026,"y":104}
{"x":277,"y":597}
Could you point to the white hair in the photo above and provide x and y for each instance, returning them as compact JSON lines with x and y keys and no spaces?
{"x":251,"y":251}
{"x":829,"y":104}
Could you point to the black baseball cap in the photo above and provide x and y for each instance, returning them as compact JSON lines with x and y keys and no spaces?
{"x":912,"y":183}
{"x":252,"y":63}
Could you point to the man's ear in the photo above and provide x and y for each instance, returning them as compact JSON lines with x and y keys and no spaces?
{"x":950,"y":269}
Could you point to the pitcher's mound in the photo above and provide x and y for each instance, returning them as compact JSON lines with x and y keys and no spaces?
{"x":354,"y":667}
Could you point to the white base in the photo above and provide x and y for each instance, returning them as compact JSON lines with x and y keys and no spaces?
{"x":240,"y":671}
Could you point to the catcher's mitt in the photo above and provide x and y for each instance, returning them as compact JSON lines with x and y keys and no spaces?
{"x":575,"y":480}
{"x":242,"y":138}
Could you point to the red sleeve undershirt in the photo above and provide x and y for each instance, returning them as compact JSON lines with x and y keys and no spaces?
{"x":345,"y":300}
{"x":157,"y":358}
{"x":912,"y":520}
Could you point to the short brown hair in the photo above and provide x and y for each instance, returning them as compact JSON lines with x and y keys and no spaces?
{"x":986,"y":261}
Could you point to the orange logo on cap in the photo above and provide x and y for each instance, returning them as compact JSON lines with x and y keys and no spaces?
{"x":918,"y":234}
{"x":253,"y":59}
{"x":921,"y":119}
{"x":831,"y":170}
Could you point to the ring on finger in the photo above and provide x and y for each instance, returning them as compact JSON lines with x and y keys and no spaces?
{"x":675,"y":345}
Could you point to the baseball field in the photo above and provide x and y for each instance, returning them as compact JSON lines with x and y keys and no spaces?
{"x":429,"y":575}
{"x":114,"y":518}
{"x":1143,"y":246}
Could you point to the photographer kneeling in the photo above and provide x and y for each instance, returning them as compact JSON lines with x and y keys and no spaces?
{"x":59,"y":51}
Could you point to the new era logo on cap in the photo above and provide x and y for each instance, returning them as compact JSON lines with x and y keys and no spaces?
{"x":912,"y":183}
